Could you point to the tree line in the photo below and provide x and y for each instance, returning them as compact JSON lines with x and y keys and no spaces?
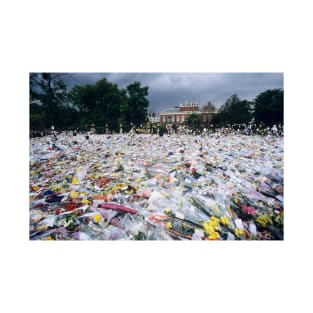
{"x":102,"y":104}
{"x":267,"y":109}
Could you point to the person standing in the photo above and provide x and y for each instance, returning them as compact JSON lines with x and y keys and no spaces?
{"x":274,"y":131}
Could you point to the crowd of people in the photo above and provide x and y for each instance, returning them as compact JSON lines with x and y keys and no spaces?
{"x":250,"y":129}
{"x":236,"y":129}
{"x":53,"y":132}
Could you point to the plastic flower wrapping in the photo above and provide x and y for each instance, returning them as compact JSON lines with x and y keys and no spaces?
{"x":141,"y":188}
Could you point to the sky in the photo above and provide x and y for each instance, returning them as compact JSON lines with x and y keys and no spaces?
{"x":167,"y":90}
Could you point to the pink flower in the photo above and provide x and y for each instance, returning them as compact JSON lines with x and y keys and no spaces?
{"x":248,"y":209}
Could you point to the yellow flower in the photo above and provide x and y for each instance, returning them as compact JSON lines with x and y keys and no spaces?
{"x":138,"y":180}
{"x":167,"y":211}
{"x":168,"y":225}
{"x":56,"y":188}
{"x":85,"y":201}
{"x":264,"y":220}
{"x":214,"y":235}
{"x":121,"y":186}
{"x":224,"y":221}
{"x":211,"y":226}
{"x":133,"y":188}
{"x":43,"y":227}
{"x":184,"y":225}
{"x":96,"y":218}
{"x":35,"y":188}
{"x":239,"y":232}
{"x":74,"y":194}
{"x":214,"y":222}
{"x":207,"y":227}
{"x":75,"y":180}
{"x":48,"y":238}
{"x":214,"y":219}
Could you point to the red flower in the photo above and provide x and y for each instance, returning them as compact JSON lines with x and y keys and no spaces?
{"x":70,"y":206}
{"x":248,"y":209}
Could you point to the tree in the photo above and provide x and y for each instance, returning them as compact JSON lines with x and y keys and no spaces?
{"x":36,"y":116}
{"x":193,"y":121}
{"x":135,"y":109}
{"x":47,"y":90}
{"x":234,"y":111}
{"x":34,"y":88}
{"x":99,"y":104}
{"x":209,"y":107}
{"x":269,"y":107}
{"x":83,"y":97}
{"x":175,"y":127}
{"x":108,"y":102}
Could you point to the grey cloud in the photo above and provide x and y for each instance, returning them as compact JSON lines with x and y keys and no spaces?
{"x":170,"y":89}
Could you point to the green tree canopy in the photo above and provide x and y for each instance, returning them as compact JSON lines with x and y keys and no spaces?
{"x":48,"y":93}
{"x":193,"y":121}
{"x":234,"y":111}
{"x":134,"y":110}
{"x":102,"y":103}
{"x":269,"y":107}
{"x":99,"y":104}
{"x":209,"y":107}
{"x":105,"y":104}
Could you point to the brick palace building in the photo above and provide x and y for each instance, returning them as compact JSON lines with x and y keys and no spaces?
{"x":179,"y":114}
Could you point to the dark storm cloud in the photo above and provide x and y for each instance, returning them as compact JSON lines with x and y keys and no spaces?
{"x":170,"y":89}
